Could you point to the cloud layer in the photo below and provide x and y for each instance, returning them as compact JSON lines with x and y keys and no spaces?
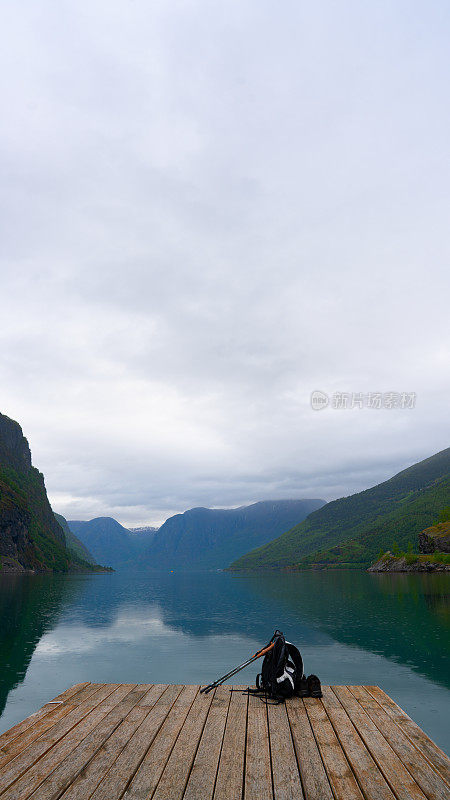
{"x":209,"y":211}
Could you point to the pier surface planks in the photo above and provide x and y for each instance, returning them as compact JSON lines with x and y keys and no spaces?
{"x":143,"y":741}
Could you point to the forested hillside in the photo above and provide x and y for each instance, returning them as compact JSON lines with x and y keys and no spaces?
{"x":363,"y":523}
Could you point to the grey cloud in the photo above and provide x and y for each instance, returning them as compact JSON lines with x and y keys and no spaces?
{"x":208,"y":211}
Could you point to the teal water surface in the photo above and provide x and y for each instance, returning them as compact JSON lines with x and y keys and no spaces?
{"x":351,"y":627}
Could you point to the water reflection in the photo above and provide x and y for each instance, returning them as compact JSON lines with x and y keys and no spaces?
{"x":29,"y":606}
{"x":405,"y":618}
{"x":392,"y":630}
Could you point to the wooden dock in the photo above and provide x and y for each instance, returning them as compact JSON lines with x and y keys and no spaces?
{"x":111,"y":741}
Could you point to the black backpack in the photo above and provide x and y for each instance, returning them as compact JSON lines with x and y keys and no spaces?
{"x":281,"y":671}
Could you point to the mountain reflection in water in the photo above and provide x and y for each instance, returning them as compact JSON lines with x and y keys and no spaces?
{"x":352,"y":627}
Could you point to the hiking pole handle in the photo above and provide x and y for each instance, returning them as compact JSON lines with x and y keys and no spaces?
{"x":264,"y":650}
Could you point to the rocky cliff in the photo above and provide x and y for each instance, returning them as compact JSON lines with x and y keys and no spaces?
{"x":30,"y":537}
{"x":433,"y":555}
{"x":14,"y":448}
{"x":435,"y":539}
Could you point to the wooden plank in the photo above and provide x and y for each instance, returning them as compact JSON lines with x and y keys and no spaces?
{"x":417,"y":736}
{"x":128,"y":742}
{"x":127,"y":695}
{"x":147,"y":776}
{"x":30,"y":768}
{"x":173,"y":780}
{"x":314,"y":779}
{"x":258,"y":770}
{"x":30,"y":754}
{"x":70,"y":693}
{"x":85,"y":693}
{"x":19,"y":743}
{"x":230,"y":774}
{"x":370,"y":779}
{"x":81,"y":773}
{"x":114,"y":783}
{"x":55,"y":710}
{"x":9,"y":735}
{"x":340,"y":775}
{"x":397,"y":776}
{"x":430,"y":781}
{"x":285,"y":773}
{"x":202,"y":777}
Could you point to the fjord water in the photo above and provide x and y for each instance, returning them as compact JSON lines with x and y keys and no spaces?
{"x":351,"y":627}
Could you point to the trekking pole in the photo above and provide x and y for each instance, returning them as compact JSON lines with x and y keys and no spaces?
{"x":260,"y":653}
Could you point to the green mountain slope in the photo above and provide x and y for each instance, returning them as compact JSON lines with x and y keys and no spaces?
{"x":73,"y":543}
{"x":356,"y":519}
{"x":401,"y":526}
{"x":30,"y":536}
{"x":209,"y":538}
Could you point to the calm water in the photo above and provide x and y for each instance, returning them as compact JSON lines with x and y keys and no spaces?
{"x":390,"y":630}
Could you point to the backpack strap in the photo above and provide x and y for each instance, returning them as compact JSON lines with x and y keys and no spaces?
{"x":296,"y":658}
{"x":266,"y":697}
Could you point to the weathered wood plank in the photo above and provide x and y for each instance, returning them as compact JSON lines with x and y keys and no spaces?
{"x":128,"y":742}
{"x":285,"y":772}
{"x":93,"y":757}
{"x":114,"y":783}
{"x":148,"y":774}
{"x":40,"y":722}
{"x":173,"y":780}
{"x":417,"y":736}
{"x":84,"y":693}
{"x":76,"y":770}
{"x":29,"y":755}
{"x":19,"y":743}
{"x":340,"y":775}
{"x":413,"y":762}
{"x":202,"y":777}
{"x":70,"y":693}
{"x":316,"y":785}
{"x":8,"y":736}
{"x":398,"y":778}
{"x":258,"y":770}
{"x":370,"y":779}
{"x":230,"y":774}
{"x":30,"y":768}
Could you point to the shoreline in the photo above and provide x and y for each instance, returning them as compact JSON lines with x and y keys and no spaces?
{"x":421,"y":564}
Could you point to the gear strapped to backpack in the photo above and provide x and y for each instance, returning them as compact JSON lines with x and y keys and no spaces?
{"x":282,"y":670}
{"x":281,"y":674}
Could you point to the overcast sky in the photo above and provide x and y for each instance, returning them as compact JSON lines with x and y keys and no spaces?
{"x":210,"y":210}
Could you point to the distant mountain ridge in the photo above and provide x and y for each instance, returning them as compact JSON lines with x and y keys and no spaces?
{"x":206,"y":538}
{"x":31,"y":539}
{"x":353,"y":529}
{"x":109,"y":541}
